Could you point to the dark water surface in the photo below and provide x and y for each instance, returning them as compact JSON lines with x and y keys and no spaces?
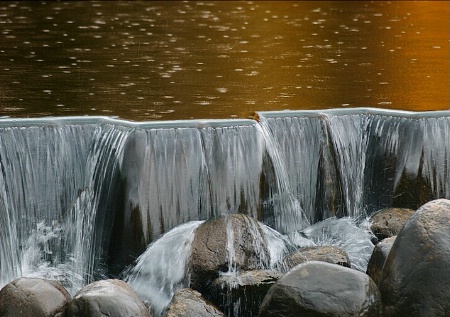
{"x":181,"y":60}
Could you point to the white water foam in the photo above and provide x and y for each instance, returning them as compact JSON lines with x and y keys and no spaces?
{"x":162,"y":268}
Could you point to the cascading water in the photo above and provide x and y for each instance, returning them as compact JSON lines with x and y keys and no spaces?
{"x":346,"y":234}
{"x":92,"y":211}
{"x":162,"y":268}
{"x":177,"y":174}
{"x":289,"y":215}
{"x":54,"y":176}
{"x":436,"y":155}
{"x":357,"y":161}
{"x":350,"y":141}
{"x":42,"y":170}
{"x":81,"y":198}
{"x":301,"y":145}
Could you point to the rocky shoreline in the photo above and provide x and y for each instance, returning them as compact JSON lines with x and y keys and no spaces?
{"x":408,"y":275}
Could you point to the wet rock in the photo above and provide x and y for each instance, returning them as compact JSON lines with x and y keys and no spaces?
{"x":389,"y":221}
{"x":107,"y":298}
{"x":33,"y":297}
{"x":378,"y":258}
{"x":317,"y":288}
{"x":187,"y":302}
{"x":242,"y":293}
{"x":328,"y":254}
{"x":416,"y":276}
{"x":234,"y":241}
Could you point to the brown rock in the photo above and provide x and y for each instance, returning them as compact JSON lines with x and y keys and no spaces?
{"x":388,"y":222}
{"x":378,"y":258}
{"x":321,"y":289}
{"x":233,"y":241}
{"x":187,"y":302}
{"x":416,"y":276}
{"x":33,"y":297}
{"x":107,"y":298}
{"x":330,"y":254}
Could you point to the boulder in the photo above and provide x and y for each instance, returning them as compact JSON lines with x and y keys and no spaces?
{"x":387,"y":222}
{"x":234,"y":242}
{"x":416,"y":276}
{"x":187,"y":302}
{"x":328,"y":254}
{"x":107,"y":298}
{"x":317,"y":288}
{"x":33,"y":297}
{"x":241,"y":294}
{"x":378,"y":258}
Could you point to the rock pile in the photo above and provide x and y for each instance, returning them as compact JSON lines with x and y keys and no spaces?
{"x":416,"y":276}
{"x":407,"y":275}
{"x":36,"y":297}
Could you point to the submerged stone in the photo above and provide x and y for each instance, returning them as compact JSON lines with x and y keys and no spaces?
{"x":242,"y":293}
{"x":346,"y":234}
{"x":230,"y":243}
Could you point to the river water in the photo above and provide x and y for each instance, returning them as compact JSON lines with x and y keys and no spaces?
{"x":188,"y":60}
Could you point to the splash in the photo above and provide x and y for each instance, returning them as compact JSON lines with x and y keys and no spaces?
{"x":162,"y":268}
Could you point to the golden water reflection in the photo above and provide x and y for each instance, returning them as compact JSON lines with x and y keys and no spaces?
{"x":182,"y":60}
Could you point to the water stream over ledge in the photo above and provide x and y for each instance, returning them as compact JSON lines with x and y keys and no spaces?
{"x":82,"y":197}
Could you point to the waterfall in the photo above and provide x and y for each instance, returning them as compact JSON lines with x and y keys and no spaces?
{"x":54,"y":178}
{"x":81,"y":198}
{"x":91,"y":217}
{"x":436,"y":155}
{"x":302,"y":144}
{"x":354,"y":162}
{"x":289,"y":215}
{"x":42,"y":171}
{"x":162,"y":268}
{"x":175,"y":172}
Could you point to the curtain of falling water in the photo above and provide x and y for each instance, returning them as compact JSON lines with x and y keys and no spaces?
{"x":350,"y":140}
{"x":174,"y":175}
{"x":42,"y":170}
{"x":73,"y":195}
{"x":436,"y":155}
{"x":356,"y":162}
{"x":91,"y":218}
{"x":304,"y":147}
{"x":289,"y":214}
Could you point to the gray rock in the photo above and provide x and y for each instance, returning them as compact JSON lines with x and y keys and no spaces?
{"x":416,"y":276}
{"x":242,"y":293}
{"x":187,"y":302}
{"x":33,"y":297}
{"x":389,"y":221}
{"x":328,"y":254}
{"x":317,"y":288}
{"x":232,"y":241}
{"x":107,"y":298}
{"x":378,"y":258}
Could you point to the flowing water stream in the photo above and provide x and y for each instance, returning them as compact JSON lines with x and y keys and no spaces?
{"x":86,"y":198}
{"x":83,"y":197}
